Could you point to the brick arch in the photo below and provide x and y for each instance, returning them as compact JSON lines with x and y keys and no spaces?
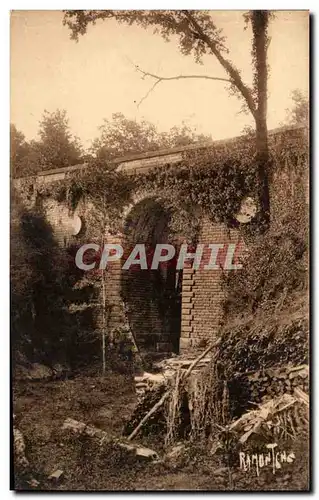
{"x":152,"y":297}
{"x":138,"y":197}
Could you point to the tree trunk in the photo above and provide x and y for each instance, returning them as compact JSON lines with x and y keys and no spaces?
{"x":262,"y":159}
{"x":260,"y":45}
{"x":104,"y":322}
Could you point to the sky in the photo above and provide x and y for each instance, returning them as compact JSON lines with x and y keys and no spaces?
{"x":96,"y":77}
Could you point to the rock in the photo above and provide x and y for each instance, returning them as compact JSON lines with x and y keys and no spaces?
{"x":176,"y":456}
{"x":74,"y":426}
{"x":39,"y":372}
{"x":140,"y":384}
{"x":103,"y":415}
{"x":128,"y":447}
{"x":20,"y":459}
{"x":60,"y":371}
{"x":153,"y":377}
{"x":221,"y":471}
{"x":79,"y":428}
{"x":56,"y":475}
{"x":33,"y":483}
{"x":146,"y":453}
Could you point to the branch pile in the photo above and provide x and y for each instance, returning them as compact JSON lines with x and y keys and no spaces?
{"x":162,"y":407}
{"x":283,"y":417}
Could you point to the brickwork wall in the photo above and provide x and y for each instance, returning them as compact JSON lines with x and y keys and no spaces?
{"x":202,"y":293}
{"x":113,"y":290}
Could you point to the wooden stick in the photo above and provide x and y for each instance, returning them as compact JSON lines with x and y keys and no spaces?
{"x":80,"y":428}
{"x":200,"y":357}
{"x":148,"y":415}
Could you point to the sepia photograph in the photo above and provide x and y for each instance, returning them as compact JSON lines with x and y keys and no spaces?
{"x":159,"y":250}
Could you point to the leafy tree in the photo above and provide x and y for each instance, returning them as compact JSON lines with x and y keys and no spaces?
{"x":26,"y":158}
{"x":182,"y":136}
{"x":198,"y":35}
{"x":19,"y":150}
{"x":121,"y":136}
{"x":59,"y":148}
{"x":56,"y":148}
{"x":299,"y":114}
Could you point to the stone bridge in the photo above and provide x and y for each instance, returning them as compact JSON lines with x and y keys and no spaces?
{"x":167,"y":310}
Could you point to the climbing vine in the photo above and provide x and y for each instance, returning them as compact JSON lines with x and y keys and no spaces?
{"x":210,"y":180}
{"x":216,"y":179}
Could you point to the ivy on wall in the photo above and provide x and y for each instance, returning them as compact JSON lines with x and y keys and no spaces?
{"x":212,"y":181}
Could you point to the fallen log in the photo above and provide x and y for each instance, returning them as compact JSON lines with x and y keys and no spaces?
{"x":80,"y":428}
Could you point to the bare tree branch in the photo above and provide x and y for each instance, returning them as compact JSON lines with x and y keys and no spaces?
{"x":229,"y":68}
{"x":160,"y":79}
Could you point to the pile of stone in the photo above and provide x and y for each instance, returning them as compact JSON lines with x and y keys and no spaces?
{"x":266,"y":384}
{"x":278,"y":381}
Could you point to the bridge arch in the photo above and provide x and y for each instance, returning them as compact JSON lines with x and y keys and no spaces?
{"x":152,"y":296}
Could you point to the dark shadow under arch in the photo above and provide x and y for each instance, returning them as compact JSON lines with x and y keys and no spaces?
{"x":152,"y":297}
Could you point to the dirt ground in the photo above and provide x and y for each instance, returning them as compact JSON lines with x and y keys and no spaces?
{"x":107,"y":402}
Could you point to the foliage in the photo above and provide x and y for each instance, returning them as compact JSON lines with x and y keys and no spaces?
{"x":274,"y":270}
{"x":275,"y":420}
{"x":25,"y":157}
{"x":59,"y":148}
{"x":121,"y":136}
{"x":299,"y":113}
{"x":19,"y":149}
{"x":209,"y":180}
{"x":21,"y":274}
{"x":56,"y":148}
{"x":266,"y":306}
{"x":216,"y":179}
{"x":43,"y":326}
{"x":198,"y":35}
{"x":105,"y":188}
{"x":165,"y":22}
{"x":217,"y":188}
{"x":256,"y":345}
{"x":105,"y":192}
